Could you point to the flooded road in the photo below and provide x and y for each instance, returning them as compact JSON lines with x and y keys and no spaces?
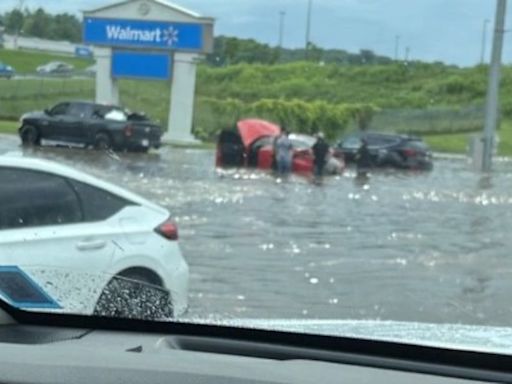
{"x":433,"y":247}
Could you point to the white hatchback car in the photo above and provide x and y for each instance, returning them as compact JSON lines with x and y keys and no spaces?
{"x":72,"y":233}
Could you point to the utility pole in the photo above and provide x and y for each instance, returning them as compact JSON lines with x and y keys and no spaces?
{"x":491,"y":109}
{"x":308,"y":24}
{"x":282,"y":15}
{"x":407,"y":53}
{"x":484,"y":41}
{"x":397,"y":46}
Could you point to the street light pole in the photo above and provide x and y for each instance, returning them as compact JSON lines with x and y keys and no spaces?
{"x":397,"y":46}
{"x":491,"y":110}
{"x":308,"y":24}
{"x":18,"y":30}
{"x":484,"y":41}
{"x":407,"y":53}
{"x":282,"y":15}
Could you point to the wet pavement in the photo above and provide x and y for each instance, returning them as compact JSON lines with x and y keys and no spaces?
{"x":430,"y":247}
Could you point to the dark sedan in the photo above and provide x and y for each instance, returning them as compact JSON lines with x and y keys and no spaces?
{"x":90,"y":124}
{"x":388,"y":150}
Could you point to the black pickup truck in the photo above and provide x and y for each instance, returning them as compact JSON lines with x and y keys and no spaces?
{"x":90,"y":124}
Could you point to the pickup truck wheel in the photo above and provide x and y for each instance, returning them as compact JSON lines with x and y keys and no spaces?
{"x":30,"y":135}
{"x":102,"y":141}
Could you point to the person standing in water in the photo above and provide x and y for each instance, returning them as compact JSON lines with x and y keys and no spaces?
{"x":320,"y":151}
{"x":283,"y":150}
{"x":363,"y":159}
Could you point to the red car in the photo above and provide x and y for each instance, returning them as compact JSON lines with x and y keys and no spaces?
{"x":251,"y":145}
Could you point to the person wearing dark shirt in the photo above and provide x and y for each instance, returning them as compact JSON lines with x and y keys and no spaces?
{"x":363,"y":159}
{"x":320,"y":151}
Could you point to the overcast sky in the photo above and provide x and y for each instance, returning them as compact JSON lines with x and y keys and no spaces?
{"x":447,"y":30}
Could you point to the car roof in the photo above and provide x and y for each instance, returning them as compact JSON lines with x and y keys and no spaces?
{"x":17,"y":160}
{"x":302,"y":137}
{"x":89,"y":102}
{"x":382,"y":134}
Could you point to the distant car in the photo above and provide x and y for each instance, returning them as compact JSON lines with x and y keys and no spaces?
{"x":251,"y":145}
{"x":90,"y":124}
{"x":55,"y":67}
{"x":388,"y":150}
{"x":6,"y":71}
{"x":69,"y":220}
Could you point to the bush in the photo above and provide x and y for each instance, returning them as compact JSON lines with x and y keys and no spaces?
{"x":213,"y":115}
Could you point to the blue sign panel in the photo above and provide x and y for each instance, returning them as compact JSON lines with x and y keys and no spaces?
{"x":83,"y":52}
{"x":142,"y":65}
{"x":143,"y":34}
{"x":22,"y":291}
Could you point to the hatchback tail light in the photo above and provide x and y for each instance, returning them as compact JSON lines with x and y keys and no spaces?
{"x":168,"y":229}
{"x":128,"y":130}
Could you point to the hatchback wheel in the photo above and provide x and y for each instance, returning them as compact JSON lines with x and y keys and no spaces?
{"x":134,"y":296}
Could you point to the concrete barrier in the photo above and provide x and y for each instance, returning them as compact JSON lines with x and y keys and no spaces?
{"x":32,"y":43}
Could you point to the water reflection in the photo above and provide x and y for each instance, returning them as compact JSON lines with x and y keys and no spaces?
{"x":485,"y":182}
{"x":404,"y":246}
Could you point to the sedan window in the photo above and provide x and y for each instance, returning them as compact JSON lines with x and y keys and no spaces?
{"x":98,"y":204}
{"x":352,"y":143}
{"x":49,"y":201}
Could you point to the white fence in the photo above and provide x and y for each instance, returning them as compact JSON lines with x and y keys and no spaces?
{"x":63,"y":47}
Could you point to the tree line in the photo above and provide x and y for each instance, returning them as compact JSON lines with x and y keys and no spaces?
{"x":227,"y":50}
{"x":232,"y":50}
{"x":39,"y":23}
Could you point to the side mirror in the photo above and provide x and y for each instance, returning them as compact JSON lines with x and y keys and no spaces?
{"x":47,"y":111}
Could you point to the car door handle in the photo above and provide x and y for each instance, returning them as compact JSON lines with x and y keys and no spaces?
{"x":89,"y":245}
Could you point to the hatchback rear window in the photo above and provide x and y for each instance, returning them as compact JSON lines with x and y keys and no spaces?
{"x":98,"y":204}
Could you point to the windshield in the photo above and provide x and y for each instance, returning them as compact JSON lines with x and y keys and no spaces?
{"x":354,"y":182}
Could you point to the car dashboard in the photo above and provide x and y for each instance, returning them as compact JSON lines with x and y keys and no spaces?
{"x":41,"y":354}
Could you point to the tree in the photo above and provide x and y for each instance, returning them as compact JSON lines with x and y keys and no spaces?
{"x":65,"y":27}
{"x":14,"y":21}
{"x":38,"y":24}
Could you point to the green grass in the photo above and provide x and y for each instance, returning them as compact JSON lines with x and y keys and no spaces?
{"x":8,"y":126}
{"x":28,"y":61}
{"x":23,"y":95}
{"x":458,"y":142}
{"x":449,"y":143}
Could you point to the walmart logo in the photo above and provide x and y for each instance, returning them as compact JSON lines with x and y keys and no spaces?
{"x":168,"y":36}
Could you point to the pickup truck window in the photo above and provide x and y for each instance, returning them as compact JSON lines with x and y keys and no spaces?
{"x":60,"y":109}
{"x":81,"y":110}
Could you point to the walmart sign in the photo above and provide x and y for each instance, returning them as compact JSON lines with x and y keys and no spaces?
{"x":143,"y":34}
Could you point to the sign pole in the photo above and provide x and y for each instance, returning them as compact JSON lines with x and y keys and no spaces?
{"x":491,"y":112}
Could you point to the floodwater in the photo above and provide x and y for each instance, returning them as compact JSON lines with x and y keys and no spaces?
{"x":428,"y":247}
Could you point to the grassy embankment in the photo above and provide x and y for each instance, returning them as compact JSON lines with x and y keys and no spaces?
{"x":427,"y":99}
